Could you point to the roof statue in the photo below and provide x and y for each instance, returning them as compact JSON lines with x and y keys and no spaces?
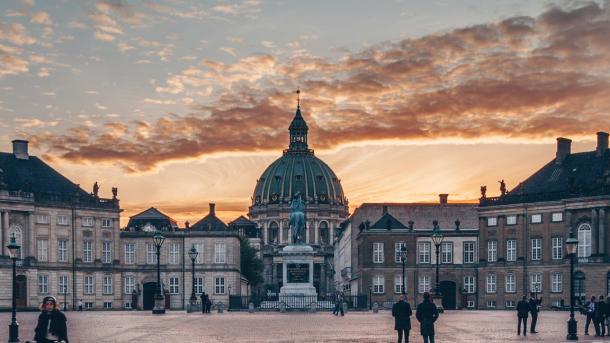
{"x":96,"y":189}
{"x":502,"y":187}
{"x":483,"y":191}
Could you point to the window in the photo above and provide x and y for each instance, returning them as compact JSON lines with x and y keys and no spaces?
{"x":510,"y":284}
{"x":106,"y":252}
{"x":557,"y":217}
{"x":43,"y":251}
{"x":88,"y":306}
{"x":174,"y":251}
{"x":492,"y":251}
{"x":42,"y":219}
{"x":556,"y":282}
{"x":470,"y":304}
{"x":220,"y":252}
{"x":446,"y":252}
{"x":536,"y":282}
{"x":174,"y":285}
{"x":200,"y":257}
{"x":377,"y":252}
{"x":579,"y":284}
{"x":398,"y":285}
{"x":492,"y":221}
{"x":130,"y":253}
{"x":584,"y":241}
{"x":468,"y":252}
{"x":87,"y":221}
{"x":469,"y":285}
{"x":43,"y":284}
{"x":151,"y":253}
{"x":511,"y":220}
{"x":219,"y":285}
{"x":490,"y":283}
{"x":130,"y":284}
{"x":378,"y":284}
{"x":398,"y":251}
{"x":62,"y":284}
{"x":198,"y":285}
{"x":511,"y":250}
{"x":491,"y":304}
{"x":557,"y":243}
{"x":536,"y":249}
{"x":509,"y":304}
{"x":87,"y":251}
{"x":424,"y":252}
{"x":62,"y":250}
{"x":88,"y":285}
{"x":424,"y":284}
{"x":62,"y":220}
{"x":536,"y":218}
{"x":107,"y":305}
{"x":107,"y":284}
{"x":106,"y":222}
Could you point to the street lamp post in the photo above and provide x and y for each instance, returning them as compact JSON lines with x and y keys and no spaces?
{"x":159,"y":300}
{"x":193,"y":255}
{"x":571,"y":246}
{"x":13,"y":328}
{"x":437,"y":239}
{"x":370,"y":297}
{"x":403,"y":259}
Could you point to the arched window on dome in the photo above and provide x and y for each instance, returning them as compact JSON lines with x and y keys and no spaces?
{"x":324,"y":233}
{"x":584,"y":241}
{"x":273,"y":233}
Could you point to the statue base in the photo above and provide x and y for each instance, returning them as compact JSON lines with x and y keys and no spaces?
{"x":298,"y":271}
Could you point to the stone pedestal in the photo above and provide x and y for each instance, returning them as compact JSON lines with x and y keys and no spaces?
{"x":298,"y":271}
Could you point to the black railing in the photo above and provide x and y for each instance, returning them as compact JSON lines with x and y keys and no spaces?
{"x":295,"y":302}
{"x":541,"y":197}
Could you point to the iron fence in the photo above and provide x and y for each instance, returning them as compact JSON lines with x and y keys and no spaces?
{"x":295,"y":302}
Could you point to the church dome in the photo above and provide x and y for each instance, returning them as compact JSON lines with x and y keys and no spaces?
{"x":298,"y":170}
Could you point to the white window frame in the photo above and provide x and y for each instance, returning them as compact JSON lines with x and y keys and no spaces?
{"x":536,"y":247}
{"x":87,"y":221}
{"x":536,"y":218}
{"x":62,"y":250}
{"x":557,"y":217}
{"x":557,"y":247}
{"x":423,"y":284}
{"x":398,"y":251}
{"x":220,"y":253}
{"x":62,"y":284}
{"x":377,"y":252}
{"x":398,"y":286}
{"x":492,"y":251}
{"x":491,"y":304}
{"x":511,"y":250}
{"x":174,"y":285}
{"x":130,"y":285}
{"x":151,"y":253}
{"x":378,"y":284}
{"x":199,"y":282}
{"x":130,"y":253}
{"x":469,"y":284}
{"x":43,"y":284}
{"x":42,"y":219}
{"x":423,"y":252}
{"x":174,"y":252}
{"x":584,"y":240}
{"x":510,"y":283}
{"x":200,"y":257}
{"x":107,"y":284}
{"x":490,"y":284}
{"x":469,"y":251}
{"x":106,"y":222}
{"x":62,"y":219}
{"x":446,"y":252}
{"x":556,"y":282}
{"x":492,"y":221}
{"x":219,"y":285}
{"x":107,"y":305}
{"x":42,"y":246}
{"x":511,"y":219}
{"x":88,"y":284}
{"x":88,"y":251}
{"x":106,"y":252}
{"x":536,"y":280}
{"x":509,"y":304}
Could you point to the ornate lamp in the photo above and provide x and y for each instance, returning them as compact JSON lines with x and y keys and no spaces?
{"x":13,"y":249}
{"x":571,"y":247}
{"x":159,"y":299}
{"x":403,"y":258}
{"x":437,"y":239}
{"x":193,"y":253}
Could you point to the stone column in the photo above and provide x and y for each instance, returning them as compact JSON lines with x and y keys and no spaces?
{"x":316,"y":233}
{"x":265,"y":233}
{"x":3,"y":229}
{"x":31,"y":237}
{"x":281,"y":233}
{"x":602,"y":231}
{"x":323,"y":281}
{"x":307,"y":232}
{"x":594,"y":231}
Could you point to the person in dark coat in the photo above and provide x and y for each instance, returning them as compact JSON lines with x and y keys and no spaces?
{"x":51,"y":325}
{"x":427,"y":314}
{"x":208,"y":304}
{"x":607,"y":322}
{"x":523,"y":310}
{"x":600,"y":313}
{"x":401,"y":311}
{"x":338,"y":305}
{"x":534,"y":303}
{"x":590,"y":312}
{"x":203,"y":302}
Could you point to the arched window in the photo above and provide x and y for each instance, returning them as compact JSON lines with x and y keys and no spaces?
{"x":324,"y":233}
{"x":584,"y":240}
{"x":17,"y":232}
{"x":579,"y":286}
{"x":273,"y":233}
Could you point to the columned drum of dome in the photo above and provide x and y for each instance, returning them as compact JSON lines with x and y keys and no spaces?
{"x":298,"y":170}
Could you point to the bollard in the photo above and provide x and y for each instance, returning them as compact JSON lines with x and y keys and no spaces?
{"x":220,"y":307}
{"x":282,"y":307}
{"x":345,"y":307}
{"x":313,"y":307}
{"x":375,"y":307}
{"x":251,"y":307}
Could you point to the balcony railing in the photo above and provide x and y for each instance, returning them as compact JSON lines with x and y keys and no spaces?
{"x":541,"y":197}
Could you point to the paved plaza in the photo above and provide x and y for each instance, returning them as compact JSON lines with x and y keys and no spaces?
{"x":456,"y":326}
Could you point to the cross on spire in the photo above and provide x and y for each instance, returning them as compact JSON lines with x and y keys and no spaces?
{"x":298,"y":98}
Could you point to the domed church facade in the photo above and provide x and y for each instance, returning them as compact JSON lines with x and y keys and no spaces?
{"x":298,"y":170}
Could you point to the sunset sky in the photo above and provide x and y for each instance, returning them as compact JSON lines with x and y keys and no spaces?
{"x":182,"y":103}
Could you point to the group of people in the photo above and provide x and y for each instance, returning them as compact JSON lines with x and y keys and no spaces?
{"x":598,"y":312}
{"x":426,"y":314}
{"x":206,"y":303}
{"x":524,"y":309}
{"x":338,"y":304}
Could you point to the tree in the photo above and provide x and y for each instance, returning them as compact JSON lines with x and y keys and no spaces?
{"x":251,"y":264}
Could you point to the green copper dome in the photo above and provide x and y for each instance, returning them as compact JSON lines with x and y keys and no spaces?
{"x":298,"y":170}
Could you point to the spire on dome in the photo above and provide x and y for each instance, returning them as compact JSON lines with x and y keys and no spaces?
{"x":298,"y":130}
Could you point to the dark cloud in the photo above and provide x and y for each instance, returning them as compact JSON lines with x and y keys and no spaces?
{"x":522,"y":77}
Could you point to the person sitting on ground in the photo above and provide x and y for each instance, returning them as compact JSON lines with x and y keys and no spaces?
{"x":51,"y":325}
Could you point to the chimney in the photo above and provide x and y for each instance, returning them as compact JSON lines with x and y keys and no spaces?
{"x":564,"y":146}
{"x":384,"y":209}
{"x":20,"y":149}
{"x":443,"y":198}
{"x":213,"y":209}
{"x":602,"y":143}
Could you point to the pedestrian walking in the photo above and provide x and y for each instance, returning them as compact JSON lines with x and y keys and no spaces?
{"x":338,"y":304}
{"x":523,"y":309}
{"x":208,"y":304}
{"x":203,"y":303}
{"x":590,"y":312}
{"x":600,"y":320}
{"x":401,"y":311}
{"x":427,"y":314}
{"x":534,"y":309}
{"x":51,"y":325}
{"x":80,"y":304}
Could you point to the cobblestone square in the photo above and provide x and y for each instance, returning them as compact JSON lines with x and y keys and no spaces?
{"x":457,"y":326}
